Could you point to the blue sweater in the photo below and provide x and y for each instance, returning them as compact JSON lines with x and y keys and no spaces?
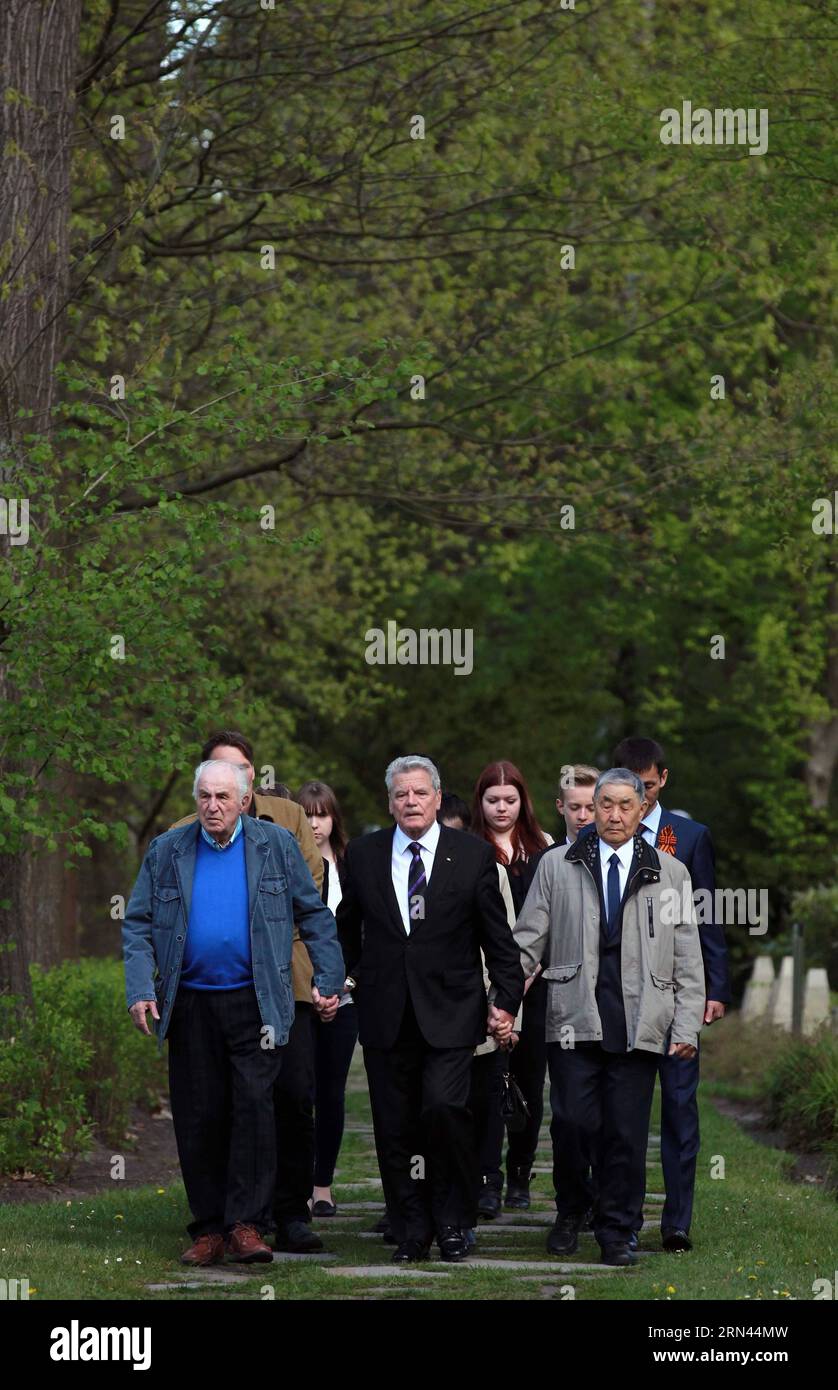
{"x":217,"y":952}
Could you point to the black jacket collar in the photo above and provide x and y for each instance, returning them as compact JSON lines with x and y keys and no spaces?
{"x":645,"y":866}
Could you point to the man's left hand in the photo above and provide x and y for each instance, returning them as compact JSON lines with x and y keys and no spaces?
{"x":326,"y":1007}
{"x":713,"y":1010}
{"x":685,"y":1050}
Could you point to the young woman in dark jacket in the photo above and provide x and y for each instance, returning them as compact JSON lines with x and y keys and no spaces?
{"x":335,"y":1042}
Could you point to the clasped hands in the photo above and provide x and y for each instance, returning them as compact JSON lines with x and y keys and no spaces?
{"x":499,"y":1026}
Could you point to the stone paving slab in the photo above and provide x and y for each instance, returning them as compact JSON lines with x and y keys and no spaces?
{"x":201,"y":1278}
{"x":386,"y":1271}
{"x":361,"y":1205}
{"x":283,"y":1257}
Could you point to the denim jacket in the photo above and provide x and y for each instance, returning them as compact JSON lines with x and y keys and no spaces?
{"x":281,"y":892}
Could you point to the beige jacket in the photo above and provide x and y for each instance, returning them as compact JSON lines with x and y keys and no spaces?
{"x":506,"y":893}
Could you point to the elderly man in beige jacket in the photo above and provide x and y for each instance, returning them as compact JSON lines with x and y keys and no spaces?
{"x":626,"y":984}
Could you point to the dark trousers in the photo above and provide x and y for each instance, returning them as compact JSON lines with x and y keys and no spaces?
{"x":528,"y":1064}
{"x":221,"y":1084}
{"x":423,"y":1132}
{"x":601,"y":1103}
{"x":334,"y":1044}
{"x":485,"y":1106}
{"x":294,"y":1118}
{"x":680,"y":1139}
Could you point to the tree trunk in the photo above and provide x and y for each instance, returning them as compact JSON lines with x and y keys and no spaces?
{"x":38,"y":57}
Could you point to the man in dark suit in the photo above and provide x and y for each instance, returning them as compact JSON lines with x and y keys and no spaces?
{"x":690,"y":842}
{"x":419,"y":903}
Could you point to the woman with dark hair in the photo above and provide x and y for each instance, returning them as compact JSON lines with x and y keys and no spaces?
{"x":503,"y":814}
{"x":335,"y":1043}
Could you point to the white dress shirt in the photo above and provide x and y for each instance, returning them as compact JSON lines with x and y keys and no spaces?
{"x":401,"y":859}
{"x":624,"y":854}
{"x":652,"y":819}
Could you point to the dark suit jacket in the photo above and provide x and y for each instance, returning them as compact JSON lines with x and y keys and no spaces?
{"x":438,"y":964}
{"x":694,"y":848}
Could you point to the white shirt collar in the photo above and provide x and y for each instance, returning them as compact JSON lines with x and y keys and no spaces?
{"x":624,"y":854}
{"x":428,"y":841}
{"x":652,"y":819}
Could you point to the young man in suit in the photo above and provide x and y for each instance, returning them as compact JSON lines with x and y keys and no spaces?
{"x":690,"y":842}
{"x":419,"y":902}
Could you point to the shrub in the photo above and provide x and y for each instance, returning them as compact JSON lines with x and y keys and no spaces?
{"x":44,"y":1124}
{"x":802,"y":1091}
{"x":73,"y":1065}
{"x":124,"y":1068}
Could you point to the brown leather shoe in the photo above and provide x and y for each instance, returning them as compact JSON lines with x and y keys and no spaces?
{"x":245,"y":1246}
{"x":207,"y":1250}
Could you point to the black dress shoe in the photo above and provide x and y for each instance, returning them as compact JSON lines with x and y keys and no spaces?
{"x":324,"y":1209}
{"x":518,"y":1189}
{"x":673,"y":1238}
{"x":618,"y":1253}
{"x":453,"y":1245}
{"x":410,"y":1251}
{"x":488,"y":1203}
{"x":564,"y":1237}
{"x":298,"y":1238}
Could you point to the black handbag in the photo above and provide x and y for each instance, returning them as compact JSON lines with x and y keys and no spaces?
{"x":513,"y":1107}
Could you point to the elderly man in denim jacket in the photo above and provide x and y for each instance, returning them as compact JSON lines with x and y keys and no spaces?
{"x":207,"y":947}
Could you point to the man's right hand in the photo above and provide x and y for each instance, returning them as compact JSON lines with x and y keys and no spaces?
{"x":138,"y":1014}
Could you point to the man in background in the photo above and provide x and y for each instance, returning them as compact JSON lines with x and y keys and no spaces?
{"x":575,"y":801}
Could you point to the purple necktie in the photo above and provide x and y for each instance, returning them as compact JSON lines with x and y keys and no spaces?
{"x":416,"y":884}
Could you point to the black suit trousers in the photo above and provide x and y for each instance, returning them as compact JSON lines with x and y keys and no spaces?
{"x":221,"y":1084}
{"x":423,"y":1132}
{"x":601,"y":1103}
{"x":528,"y":1064}
{"x":294,"y":1115}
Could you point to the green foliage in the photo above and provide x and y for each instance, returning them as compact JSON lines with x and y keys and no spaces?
{"x":72,"y":1067}
{"x":802,"y":1089}
{"x":43,"y":1121}
{"x":816,"y":909}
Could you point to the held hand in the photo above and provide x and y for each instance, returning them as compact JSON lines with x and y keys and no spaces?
{"x":685,"y":1050}
{"x":138,"y":1012}
{"x":713,"y":1010}
{"x":511,"y":1041}
{"x":325,"y":1007}
{"x":499,"y":1023}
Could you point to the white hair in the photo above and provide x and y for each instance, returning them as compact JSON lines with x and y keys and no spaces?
{"x":621,"y":776}
{"x":411,"y":763}
{"x":213,"y":765}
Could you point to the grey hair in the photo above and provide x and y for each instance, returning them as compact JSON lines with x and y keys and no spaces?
{"x":213,"y":764}
{"x":621,"y":775}
{"x":410,"y":764}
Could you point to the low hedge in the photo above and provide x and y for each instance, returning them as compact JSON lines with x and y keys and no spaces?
{"x":796,"y":1079}
{"x":71,"y":1067}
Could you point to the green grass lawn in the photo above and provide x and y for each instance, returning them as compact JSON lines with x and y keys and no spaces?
{"x":758,"y":1236}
